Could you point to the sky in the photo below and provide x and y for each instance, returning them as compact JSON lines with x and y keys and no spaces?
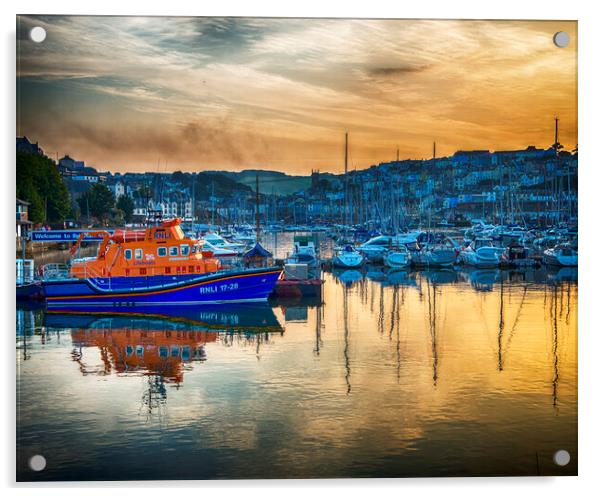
{"x":174,"y":93}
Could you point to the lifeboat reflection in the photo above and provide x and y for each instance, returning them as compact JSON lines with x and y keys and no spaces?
{"x":160,"y":344}
{"x":161,"y":353}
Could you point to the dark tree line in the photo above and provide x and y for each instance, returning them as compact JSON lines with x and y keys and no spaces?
{"x":99,"y":202}
{"x":39,"y":183}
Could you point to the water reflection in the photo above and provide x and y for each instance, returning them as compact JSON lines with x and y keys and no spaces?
{"x":389,"y":375}
{"x":348,"y":276}
{"x":162,"y":345}
{"x":557,"y":287}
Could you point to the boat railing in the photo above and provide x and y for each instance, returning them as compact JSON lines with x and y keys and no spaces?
{"x":63,"y":271}
{"x":55,"y":271}
{"x":93,"y":275}
{"x":25,"y":271}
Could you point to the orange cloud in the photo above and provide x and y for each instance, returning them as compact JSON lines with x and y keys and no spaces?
{"x":280,"y":93}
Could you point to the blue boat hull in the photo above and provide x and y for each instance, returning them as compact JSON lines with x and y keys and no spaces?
{"x":150,"y":293}
{"x":245,"y":317}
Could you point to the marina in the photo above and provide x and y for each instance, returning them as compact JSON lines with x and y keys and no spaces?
{"x":163,"y":260}
{"x":371,"y":340}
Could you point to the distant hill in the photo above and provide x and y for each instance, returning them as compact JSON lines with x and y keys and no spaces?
{"x":270,"y":182}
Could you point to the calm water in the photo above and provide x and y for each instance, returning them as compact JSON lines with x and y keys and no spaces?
{"x":394,"y":374}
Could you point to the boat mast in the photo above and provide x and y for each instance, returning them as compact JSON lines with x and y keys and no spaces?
{"x":193,"y":200}
{"x":212,"y":204}
{"x":555,"y":189}
{"x":346,"y":199}
{"x":257,"y":208}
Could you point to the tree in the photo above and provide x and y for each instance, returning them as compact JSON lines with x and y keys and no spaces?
{"x":143,"y":193}
{"x":126,"y":205}
{"x":181,"y":177}
{"x":97,"y":202}
{"x":39,"y":182}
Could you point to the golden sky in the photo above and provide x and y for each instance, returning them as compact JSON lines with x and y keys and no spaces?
{"x":163,"y":94}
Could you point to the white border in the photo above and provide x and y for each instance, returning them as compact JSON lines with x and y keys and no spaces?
{"x":590,"y":114}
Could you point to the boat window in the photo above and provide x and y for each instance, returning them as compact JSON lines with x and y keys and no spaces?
{"x":175,"y":350}
{"x":186,"y":352}
{"x":163,"y":351}
{"x":129,"y":350}
{"x":173,"y":251}
{"x":184,"y":249}
{"x":194,"y":249}
{"x":128,"y":254}
{"x":162,"y":251}
{"x":139,"y":350}
{"x":138,"y":254}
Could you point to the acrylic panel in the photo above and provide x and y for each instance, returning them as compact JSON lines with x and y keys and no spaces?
{"x":295,"y":248}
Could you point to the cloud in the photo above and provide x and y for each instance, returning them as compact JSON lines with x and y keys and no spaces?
{"x":395,"y":71}
{"x":282,"y":92}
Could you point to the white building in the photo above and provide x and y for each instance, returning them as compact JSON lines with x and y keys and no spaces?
{"x":118,"y":189}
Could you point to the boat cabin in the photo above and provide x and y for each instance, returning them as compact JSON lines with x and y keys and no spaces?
{"x":156,"y":251}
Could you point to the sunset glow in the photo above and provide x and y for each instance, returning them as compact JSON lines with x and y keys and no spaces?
{"x":164,"y":94}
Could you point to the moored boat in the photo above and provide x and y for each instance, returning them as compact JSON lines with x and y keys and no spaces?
{"x":153,"y":268}
{"x":304,"y":251}
{"x":482,"y":253}
{"x":517,"y":255}
{"x":220,"y":253}
{"x":347,"y":257}
{"x":218,"y":241}
{"x":299,"y":280}
{"x":27,"y":287}
{"x":563,"y":255}
{"x":397,"y":258}
{"x":377,"y":247}
{"x":439,"y":253}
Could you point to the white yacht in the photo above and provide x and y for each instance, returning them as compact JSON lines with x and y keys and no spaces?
{"x":219,"y":252}
{"x":347,"y":257}
{"x":375,"y":248}
{"x":482,"y":253}
{"x":218,"y":242}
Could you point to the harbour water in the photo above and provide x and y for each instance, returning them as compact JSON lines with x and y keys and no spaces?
{"x":409,"y":373}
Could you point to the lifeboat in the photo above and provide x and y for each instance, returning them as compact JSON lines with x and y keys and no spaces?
{"x":153,"y":267}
